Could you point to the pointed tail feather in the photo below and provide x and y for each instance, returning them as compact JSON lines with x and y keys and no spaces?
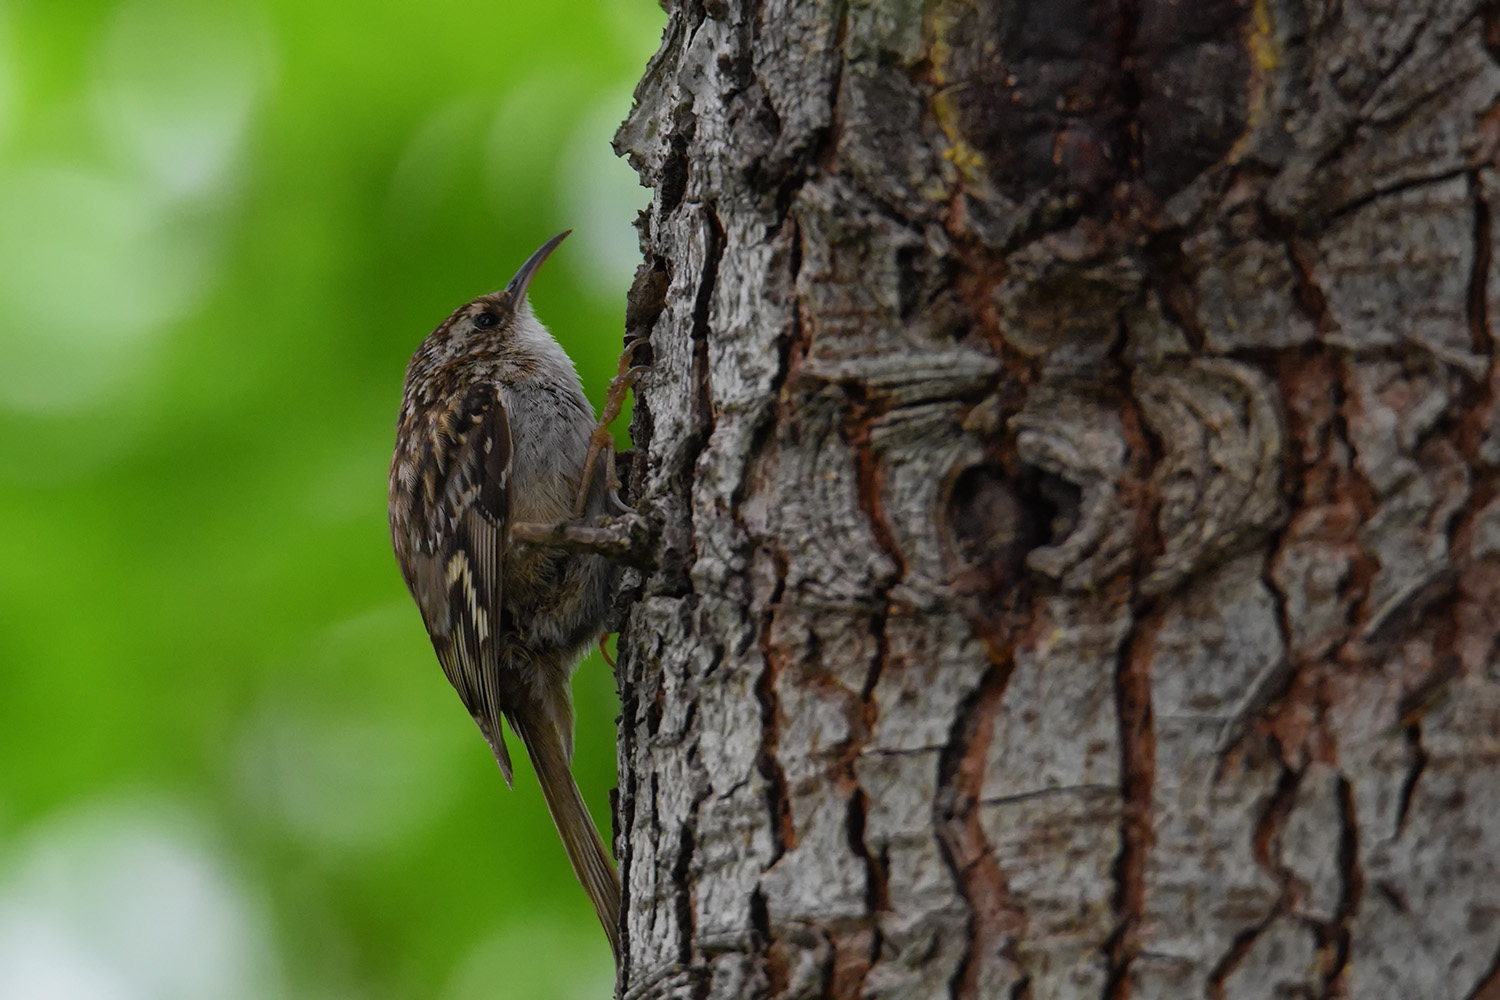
{"x":586,"y":851}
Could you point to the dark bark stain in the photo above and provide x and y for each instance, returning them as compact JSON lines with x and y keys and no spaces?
{"x":1194,"y":72}
{"x":1051,"y":79}
{"x":1076,"y":96}
{"x":1176,"y":283}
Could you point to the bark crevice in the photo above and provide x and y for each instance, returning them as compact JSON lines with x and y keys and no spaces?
{"x":993,"y":918}
{"x":1137,"y":781}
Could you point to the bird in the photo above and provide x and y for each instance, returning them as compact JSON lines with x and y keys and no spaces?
{"x":494,"y":430}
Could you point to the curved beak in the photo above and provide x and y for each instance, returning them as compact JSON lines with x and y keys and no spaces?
{"x":516,"y":290}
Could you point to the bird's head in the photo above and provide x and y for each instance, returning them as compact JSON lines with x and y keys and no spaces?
{"x":498,"y":323}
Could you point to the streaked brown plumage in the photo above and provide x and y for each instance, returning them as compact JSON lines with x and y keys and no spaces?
{"x":493,"y":431}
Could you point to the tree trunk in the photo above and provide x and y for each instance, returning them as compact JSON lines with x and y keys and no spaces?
{"x":1073,"y":431}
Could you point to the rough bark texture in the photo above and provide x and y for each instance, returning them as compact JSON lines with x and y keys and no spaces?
{"x":1073,"y":431}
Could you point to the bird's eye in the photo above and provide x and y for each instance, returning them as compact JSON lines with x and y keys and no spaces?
{"x":485,"y":320}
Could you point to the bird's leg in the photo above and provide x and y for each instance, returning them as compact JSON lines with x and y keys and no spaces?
{"x":614,"y":400}
{"x":624,"y":537}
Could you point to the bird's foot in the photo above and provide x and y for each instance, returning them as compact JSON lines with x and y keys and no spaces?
{"x":624,"y":538}
{"x":625,"y":378}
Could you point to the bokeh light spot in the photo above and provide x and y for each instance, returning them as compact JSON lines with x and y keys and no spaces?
{"x":600,"y":187}
{"x":526,"y":138}
{"x":126,"y":901}
{"x":91,"y":265}
{"x":508,"y":956}
{"x":431,"y":167}
{"x":350,"y":765}
{"x":8,"y":76}
{"x":177,"y":85}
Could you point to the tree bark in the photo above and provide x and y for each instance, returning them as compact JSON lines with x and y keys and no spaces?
{"x":1072,"y":436}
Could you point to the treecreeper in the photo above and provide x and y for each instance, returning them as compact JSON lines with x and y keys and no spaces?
{"x":494,"y":431}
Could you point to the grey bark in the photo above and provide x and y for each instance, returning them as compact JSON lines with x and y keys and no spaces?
{"x":1072,"y":439}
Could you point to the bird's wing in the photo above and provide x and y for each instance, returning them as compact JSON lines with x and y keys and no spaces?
{"x":455,"y":572}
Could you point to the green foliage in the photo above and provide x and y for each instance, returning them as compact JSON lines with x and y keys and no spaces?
{"x":224,"y":226}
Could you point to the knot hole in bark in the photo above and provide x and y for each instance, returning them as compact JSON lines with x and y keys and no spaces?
{"x":994,"y":519}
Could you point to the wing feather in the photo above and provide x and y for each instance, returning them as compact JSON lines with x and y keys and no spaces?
{"x":457,"y":566}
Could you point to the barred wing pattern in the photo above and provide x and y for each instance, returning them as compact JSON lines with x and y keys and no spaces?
{"x":458,"y":520}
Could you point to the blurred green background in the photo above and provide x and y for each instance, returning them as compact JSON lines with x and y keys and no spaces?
{"x":230,"y":766}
